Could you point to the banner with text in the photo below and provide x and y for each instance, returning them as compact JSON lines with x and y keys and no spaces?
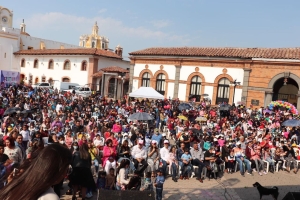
{"x":8,"y":78}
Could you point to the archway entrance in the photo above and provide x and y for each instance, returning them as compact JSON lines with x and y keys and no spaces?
{"x":286,"y":89}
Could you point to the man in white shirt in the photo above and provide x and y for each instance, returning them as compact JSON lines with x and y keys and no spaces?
{"x":165,"y":156}
{"x":139,"y":155}
{"x":58,"y":107}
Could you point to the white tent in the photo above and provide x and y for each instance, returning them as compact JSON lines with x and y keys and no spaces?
{"x":146,"y":92}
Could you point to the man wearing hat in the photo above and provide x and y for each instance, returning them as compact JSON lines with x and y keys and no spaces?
{"x":165,"y":156}
{"x":139,"y":155}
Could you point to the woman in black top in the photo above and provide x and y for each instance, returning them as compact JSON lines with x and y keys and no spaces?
{"x":124,"y":151}
{"x":81,"y":174}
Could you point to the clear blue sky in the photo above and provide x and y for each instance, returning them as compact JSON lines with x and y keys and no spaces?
{"x":139,"y":24}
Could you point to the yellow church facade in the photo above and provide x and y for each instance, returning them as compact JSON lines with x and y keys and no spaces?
{"x":94,"y":40}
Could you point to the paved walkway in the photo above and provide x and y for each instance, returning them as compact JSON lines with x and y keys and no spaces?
{"x":229,"y":187}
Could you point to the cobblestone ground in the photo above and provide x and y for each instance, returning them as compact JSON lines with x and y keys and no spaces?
{"x":229,"y":187}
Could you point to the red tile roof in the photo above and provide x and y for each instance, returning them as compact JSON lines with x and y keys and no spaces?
{"x":268,"y":53}
{"x":115,"y":69}
{"x":77,"y":51}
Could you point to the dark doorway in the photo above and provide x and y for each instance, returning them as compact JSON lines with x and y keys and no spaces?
{"x":286,"y":89}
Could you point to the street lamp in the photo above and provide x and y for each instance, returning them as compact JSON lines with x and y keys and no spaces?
{"x":234,"y":84}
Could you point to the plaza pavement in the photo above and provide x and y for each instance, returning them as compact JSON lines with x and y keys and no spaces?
{"x":229,"y":187}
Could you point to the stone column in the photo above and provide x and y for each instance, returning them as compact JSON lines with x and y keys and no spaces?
{"x":131,"y":70}
{"x":177,"y":78}
{"x":245,"y":84}
{"x":116,"y":88}
{"x":268,"y":98}
{"x":298,"y":101}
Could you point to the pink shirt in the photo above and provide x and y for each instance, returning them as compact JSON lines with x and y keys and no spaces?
{"x":117,"y":128}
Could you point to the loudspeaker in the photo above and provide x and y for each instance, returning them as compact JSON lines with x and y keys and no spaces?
{"x":292,"y":196}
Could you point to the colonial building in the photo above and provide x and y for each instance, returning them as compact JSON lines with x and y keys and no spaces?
{"x":30,"y":59}
{"x":241,"y":75}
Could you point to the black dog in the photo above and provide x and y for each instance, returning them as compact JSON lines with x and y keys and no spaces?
{"x":266,"y":191}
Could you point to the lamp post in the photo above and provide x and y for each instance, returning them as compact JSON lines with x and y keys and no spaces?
{"x":234,"y":84}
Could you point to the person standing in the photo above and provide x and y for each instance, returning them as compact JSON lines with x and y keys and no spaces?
{"x":81,"y":175}
{"x":26,"y":136}
{"x":159,"y":183}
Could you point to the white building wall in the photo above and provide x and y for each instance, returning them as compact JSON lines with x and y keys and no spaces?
{"x":108,"y":62}
{"x":135,"y":85}
{"x":210,"y":73}
{"x":29,"y":41}
{"x":182,"y":91}
{"x":8,"y":45}
{"x":209,"y":90}
{"x":75,"y":74}
{"x":170,"y":69}
{"x":238,"y":95}
{"x":170,"y":90}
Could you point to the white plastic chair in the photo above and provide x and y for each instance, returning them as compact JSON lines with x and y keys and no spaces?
{"x":236,"y":166}
{"x":277,"y":165}
{"x":268,"y":164}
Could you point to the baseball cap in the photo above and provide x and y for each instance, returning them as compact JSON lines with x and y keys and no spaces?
{"x":156,"y":130}
{"x":238,"y":143}
{"x":166,"y":141}
{"x":141,"y":142}
{"x":154,"y":141}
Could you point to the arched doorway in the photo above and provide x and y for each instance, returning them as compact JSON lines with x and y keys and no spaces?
{"x":223,"y":91}
{"x":112,"y":87}
{"x":286,"y":89}
{"x":195,"y":88}
{"x":36,"y":80}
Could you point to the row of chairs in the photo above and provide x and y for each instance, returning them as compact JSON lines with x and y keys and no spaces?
{"x":268,"y":165}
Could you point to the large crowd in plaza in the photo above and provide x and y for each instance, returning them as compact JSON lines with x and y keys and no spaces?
{"x":134,"y":144}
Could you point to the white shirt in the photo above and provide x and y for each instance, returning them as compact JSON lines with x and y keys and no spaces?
{"x":138,"y":152}
{"x":164,"y":154}
{"x":49,"y":195}
{"x":58,"y":107}
{"x":25,"y":135}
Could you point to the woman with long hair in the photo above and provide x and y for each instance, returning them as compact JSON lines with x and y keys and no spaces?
{"x":14,"y":153}
{"x":36,"y":176}
{"x":81,"y":175}
{"x":153,"y":156}
{"x":124,"y":151}
{"x":121,"y":175}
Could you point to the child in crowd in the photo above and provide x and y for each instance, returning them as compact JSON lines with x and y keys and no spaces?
{"x":231,"y":162}
{"x":159,"y":183}
{"x":135,"y":181}
{"x":101,"y":180}
{"x":148,"y":186}
{"x":186,"y":159}
{"x":110,"y":179}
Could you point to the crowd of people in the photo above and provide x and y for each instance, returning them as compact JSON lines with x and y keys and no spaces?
{"x":108,"y":151}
